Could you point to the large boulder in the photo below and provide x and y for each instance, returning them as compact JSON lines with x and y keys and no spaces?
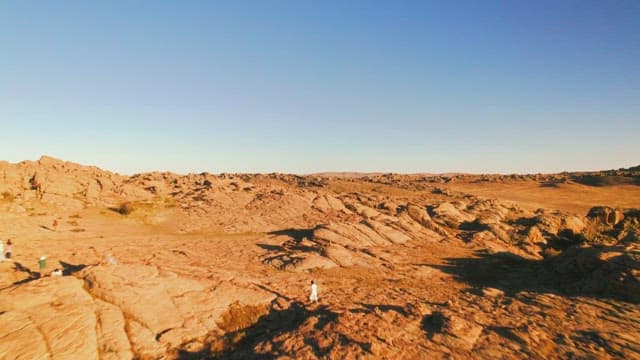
{"x":450,"y":215}
{"x":605,"y":215}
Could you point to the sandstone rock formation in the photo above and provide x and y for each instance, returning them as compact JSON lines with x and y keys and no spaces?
{"x":160,"y":265}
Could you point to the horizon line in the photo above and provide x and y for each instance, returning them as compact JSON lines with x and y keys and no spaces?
{"x":339,"y":173}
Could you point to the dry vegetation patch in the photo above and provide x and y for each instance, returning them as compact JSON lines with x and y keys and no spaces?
{"x":125,"y":208}
{"x":239,"y":316}
{"x":7,"y":196}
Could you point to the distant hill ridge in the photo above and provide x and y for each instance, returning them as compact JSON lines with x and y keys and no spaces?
{"x":49,"y":161}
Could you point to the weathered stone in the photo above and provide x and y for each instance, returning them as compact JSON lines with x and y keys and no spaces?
{"x":456,"y":332}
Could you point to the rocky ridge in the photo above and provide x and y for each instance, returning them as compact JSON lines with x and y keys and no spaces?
{"x":437,"y":271}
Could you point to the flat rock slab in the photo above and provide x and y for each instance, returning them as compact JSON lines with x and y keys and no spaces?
{"x":48,"y":318}
{"x":114,"y":312}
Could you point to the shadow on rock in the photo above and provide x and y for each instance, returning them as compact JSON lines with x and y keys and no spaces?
{"x":380,"y":307}
{"x":295,"y":243}
{"x":296,"y":234}
{"x":290,"y":253}
{"x":600,"y":181}
{"x":242,"y":343}
{"x":31,"y":275}
{"x":451,"y":330}
{"x":432,"y":324}
{"x":69,"y":269}
{"x":599,"y":272}
{"x":474,"y":225}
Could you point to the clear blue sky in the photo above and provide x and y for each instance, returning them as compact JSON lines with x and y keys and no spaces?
{"x":305,"y":86}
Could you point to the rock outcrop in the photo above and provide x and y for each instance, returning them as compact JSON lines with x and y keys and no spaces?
{"x":117,"y":312}
{"x":161,"y":265}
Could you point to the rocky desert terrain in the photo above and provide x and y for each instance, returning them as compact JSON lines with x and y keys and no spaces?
{"x":204,"y":266}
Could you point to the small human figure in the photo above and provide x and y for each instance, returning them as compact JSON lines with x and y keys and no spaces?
{"x":1,"y":251}
{"x":42,"y":263}
{"x":54,"y":224}
{"x":111,"y":260}
{"x":8,"y":250}
{"x":314,"y":292}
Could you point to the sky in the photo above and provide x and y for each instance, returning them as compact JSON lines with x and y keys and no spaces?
{"x":310,"y":86}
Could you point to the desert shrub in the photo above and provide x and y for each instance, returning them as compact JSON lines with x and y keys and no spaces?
{"x":125,"y":208}
{"x":74,"y":216}
{"x":233,"y":324}
{"x":7,"y":196}
{"x":73,"y":223}
{"x":78,"y":230}
{"x":315,"y":270}
{"x":239,"y":317}
{"x":169,"y":202}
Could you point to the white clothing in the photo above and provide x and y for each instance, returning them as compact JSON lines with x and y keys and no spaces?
{"x":1,"y":251}
{"x":314,"y":293}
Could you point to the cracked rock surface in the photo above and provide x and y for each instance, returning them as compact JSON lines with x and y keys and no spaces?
{"x":203,"y":266}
